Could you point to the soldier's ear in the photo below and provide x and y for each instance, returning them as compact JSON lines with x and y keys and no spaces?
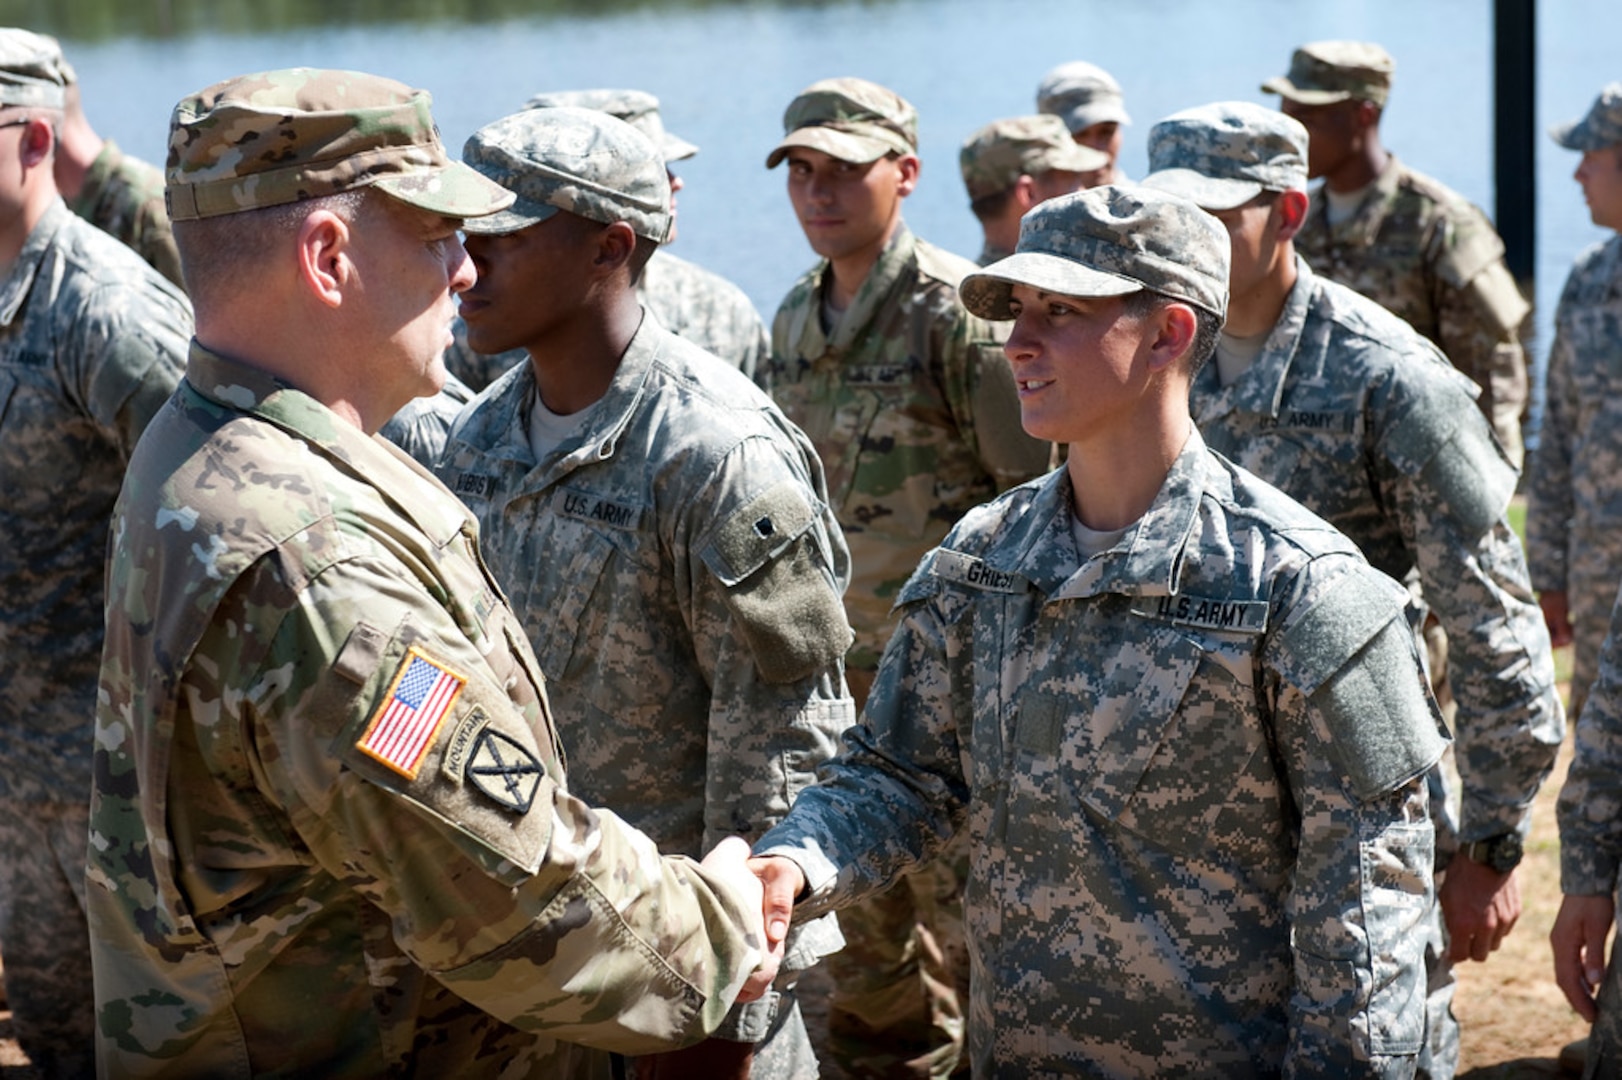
{"x":1290,"y":209}
{"x":908,"y":166}
{"x":323,"y":256}
{"x":615,"y":244}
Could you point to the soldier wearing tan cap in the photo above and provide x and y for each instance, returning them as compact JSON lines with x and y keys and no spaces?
{"x":1089,"y":101}
{"x":1399,"y":237}
{"x":1012,"y":165}
{"x":331,"y":832}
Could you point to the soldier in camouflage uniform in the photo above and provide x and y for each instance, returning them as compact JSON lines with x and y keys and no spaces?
{"x":331,"y":833}
{"x":1012,"y":165}
{"x":1088,"y":99}
{"x":912,"y":410}
{"x":1399,"y":237}
{"x":662,"y":530}
{"x":1574,"y":492}
{"x":1347,"y":409}
{"x":689,"y":301}
{"x":1180,"y":719}
{"x":91,"y":344}
{"x":116,"y":193}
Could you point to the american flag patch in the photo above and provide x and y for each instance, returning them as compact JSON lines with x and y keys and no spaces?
{"x":405,"y":724}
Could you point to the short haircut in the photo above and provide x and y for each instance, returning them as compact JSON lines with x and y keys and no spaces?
{"x":1207,"y":326}
{"x":987,"y":207}
{"x":221,"y":256}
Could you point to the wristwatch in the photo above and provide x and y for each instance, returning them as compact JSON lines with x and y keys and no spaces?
{"x":1502,"y":852}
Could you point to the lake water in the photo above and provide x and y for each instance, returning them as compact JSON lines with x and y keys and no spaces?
{"x":724,"y":73}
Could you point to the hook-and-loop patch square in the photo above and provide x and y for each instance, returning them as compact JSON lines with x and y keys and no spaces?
{"x":402,"y":730}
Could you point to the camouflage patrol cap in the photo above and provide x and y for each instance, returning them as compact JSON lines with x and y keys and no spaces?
{"x":1110,"y":241}
{"x":1223,"y":155}
{"x":1324,"y":72}
{"x":30,"y":69}
{"x":851,"y":119}
{"x":1602,"y":126}
{"x":638,"y":108}
{"x":1081,"y":94}
{"x":579,"y":160}
{"x":284,"y":136}
{"x":996,"y":156}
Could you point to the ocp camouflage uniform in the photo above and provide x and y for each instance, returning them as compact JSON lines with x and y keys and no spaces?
{"x":691,"y":302}
{"x":1349,"y":411}
{"x":678,"y":570}
{"x":1191,"y":773}
{"x":91,"y":344}
{"x":319,"y":900}
{"x":1574,"y":492}
{"x":1419,"y":249}
{"x":123,"y":196}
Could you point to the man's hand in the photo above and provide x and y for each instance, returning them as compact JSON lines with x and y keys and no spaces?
{"x":729,"y":862}
{"x":1556,"y":617}
{"x":1480,"y":906}
{"x":780,"y":882}
{"x":1578,"y":939}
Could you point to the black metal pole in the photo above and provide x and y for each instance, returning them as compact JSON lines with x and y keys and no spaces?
{"x":1515,"y":134}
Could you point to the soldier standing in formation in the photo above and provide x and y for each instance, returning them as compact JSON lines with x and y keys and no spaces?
{"x":1088,"y":99}
{"x":330,"y":823}
{"x":663,"y":532}
{"x":92,"y":341}
{"x":1348,"y":410}
{"x":1012,"y":165}
{"x":1180,"y":719}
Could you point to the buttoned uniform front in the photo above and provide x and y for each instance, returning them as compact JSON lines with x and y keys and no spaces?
{"x":678,"y":570}
{"x":1422,"y":251}
{"x":1350,"y":412}
{"x":691,"y":302}
{"x":91,"y":344}
{"x":123,"y":196}
{"x":1190,"y":770}
{"x":1574,"y":503}
{"x":273,"y":890}
{"x":912,"y":409}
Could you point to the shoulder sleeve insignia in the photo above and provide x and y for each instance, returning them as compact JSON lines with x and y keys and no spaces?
{"x":504,"y":771}
{"x":404,"y":727}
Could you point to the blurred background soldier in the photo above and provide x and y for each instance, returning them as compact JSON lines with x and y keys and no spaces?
{"x":92,"y":342}
{"x":1012,"y":165}
{"x":1399,"y":237}
{"x":1088,"y":99}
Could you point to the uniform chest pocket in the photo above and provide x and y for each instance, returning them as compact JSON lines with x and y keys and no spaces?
{"x":44,"y":443}
{"x":560,"y":620}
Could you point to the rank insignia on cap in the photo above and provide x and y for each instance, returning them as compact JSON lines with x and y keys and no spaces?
{"x":405,"y":725}
{"x":504,"y":770}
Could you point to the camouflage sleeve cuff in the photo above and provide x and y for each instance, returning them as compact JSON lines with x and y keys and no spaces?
{"x":1586,"y":871}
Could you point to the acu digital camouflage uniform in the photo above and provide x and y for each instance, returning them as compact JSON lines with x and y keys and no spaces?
{"x":675,"y":562}
{"x":421,"y":428}
{"x":1191,"y":773}
{"x":272,"y":892}
{"x":913,"y":412}
{"x":91,"y":344}
{"x":1574,"y":492}
{"x":1420,"y":250}
{"x":1359,"y":418}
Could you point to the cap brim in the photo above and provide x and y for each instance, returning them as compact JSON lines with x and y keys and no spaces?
{"x":1082,"y":117}
{"x":675,"y":149}
{"x":455,"y":191}
{"x":1580,"y":135}
{"x":1283,"y":87}
{"x":1077,"y":157}
{"x":520,"y":215}
{"x":857,"y":149}
{"x":1205,"y":192}
{"x":986,"y":292}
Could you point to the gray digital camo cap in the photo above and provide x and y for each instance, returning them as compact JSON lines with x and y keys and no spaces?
{"x":1081,"y":94}
{"x":30,"y":69}
{"x":1602,"y":126}
{"x":851,"y":119}
{"x":1110,"y":241}
{"x":1325,"y":72}
{"x":995,"y":157}
{"x":1223,"y":155}
{"x":578,"y":160}
{"x":281,"y":137}
{"x":638,"y":108}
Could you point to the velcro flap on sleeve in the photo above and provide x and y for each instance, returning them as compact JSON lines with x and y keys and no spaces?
{"x":763,"y":529}
{"x":1457,"y":459}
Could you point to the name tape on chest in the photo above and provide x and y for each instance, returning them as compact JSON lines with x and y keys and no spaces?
{"x":876,"y":375}
{"x":597,"y":509}
{"x":1230,"y":616}
{"x":479,"y":485}
{"x":968,"y":570}
{"x":402,"y":730}
{"x":1308,"y":420}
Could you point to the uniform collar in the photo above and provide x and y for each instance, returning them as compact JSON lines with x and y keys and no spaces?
{"x":1260,"y":390}
{"x":96,"y":178}
{"x":20,"y":281}
{"x":1361,"y":228}
{"x":892,"y":262}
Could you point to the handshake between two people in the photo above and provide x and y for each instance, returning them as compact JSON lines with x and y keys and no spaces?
{"x":767,"y":885}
